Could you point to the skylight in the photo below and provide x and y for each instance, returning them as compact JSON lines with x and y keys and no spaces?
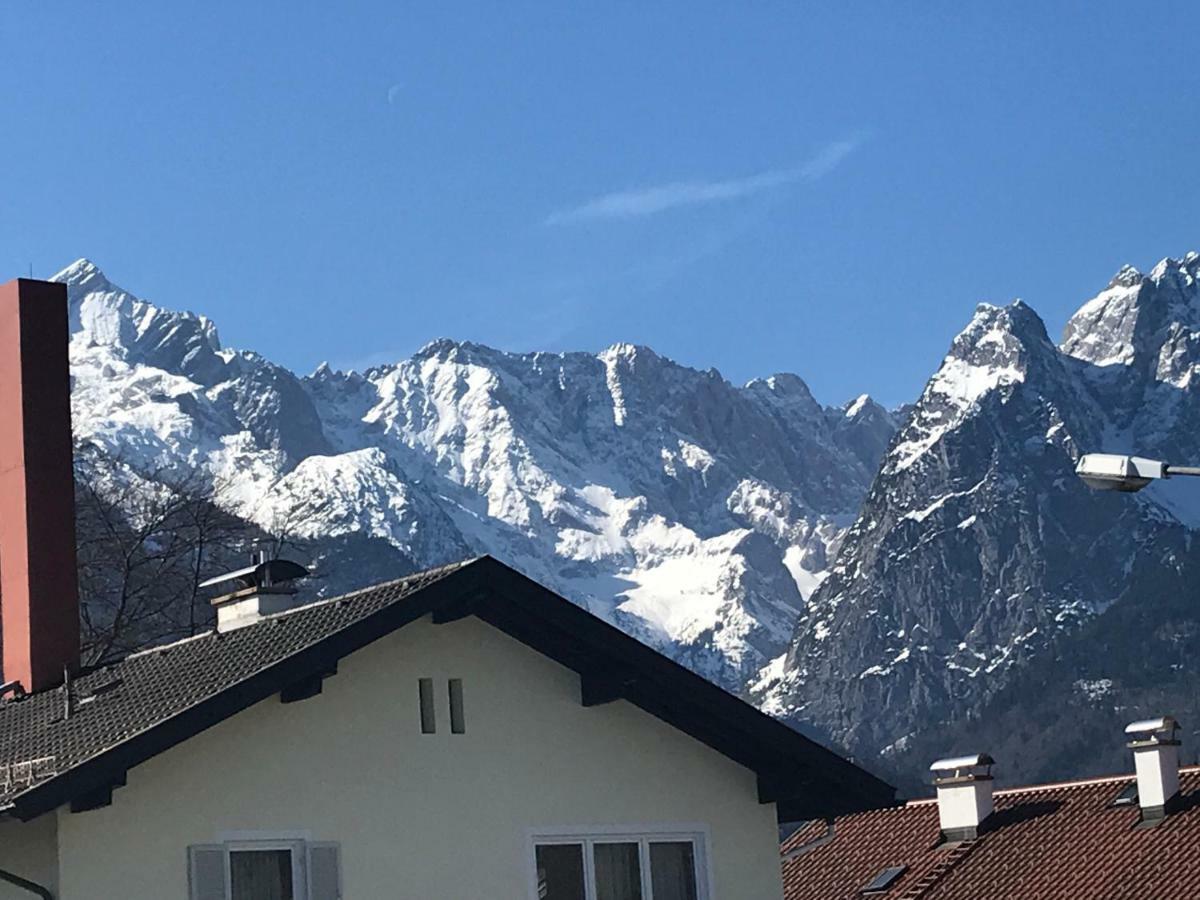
{"x":1127,"y":797}
{"x":884,"y":880}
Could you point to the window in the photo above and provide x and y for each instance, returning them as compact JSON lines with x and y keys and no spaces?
{"x":884,"y":880}
{"x":261,"y":875}
{"x":428,"y":709}
{"x":264,"y":870}
{"x":666,"y":866}
{"x":458,"y":723}
{"x":425,"y":696}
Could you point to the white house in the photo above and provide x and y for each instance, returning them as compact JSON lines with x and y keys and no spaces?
{"x":458,"y":734}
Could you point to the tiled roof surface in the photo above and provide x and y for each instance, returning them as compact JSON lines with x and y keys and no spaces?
{"x":1049,"y":842}
{"x":150,"y":687}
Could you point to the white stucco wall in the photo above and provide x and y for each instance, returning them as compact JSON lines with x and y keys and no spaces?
{"x":28,"y":849}
{"x":423,"y":817}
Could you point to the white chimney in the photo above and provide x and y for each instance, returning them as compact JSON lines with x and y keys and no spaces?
{"x":964,"y":794}
{"x":262,"y":589}
{"x":1155,"y":746}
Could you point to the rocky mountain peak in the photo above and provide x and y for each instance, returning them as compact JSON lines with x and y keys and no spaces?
{"x":1127,"y":276}
{"x":995,"y":352}
{"x":1001,"y":335}
{"x":1129,"y":322}
{"x":83,"y":275}
{"x":438,"y":348}
{"x":859,"y":406}
{"x":104,"y":313}
{"x":623,"y":350}
{"x":786,"y":393}
{"x":977,"y":550}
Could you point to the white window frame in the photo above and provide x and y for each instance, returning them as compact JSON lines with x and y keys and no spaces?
{"x":643,"y":835}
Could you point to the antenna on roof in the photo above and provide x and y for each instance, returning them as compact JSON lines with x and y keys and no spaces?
{"x":66,"y":687}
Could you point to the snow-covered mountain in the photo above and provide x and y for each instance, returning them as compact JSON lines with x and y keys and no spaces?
{"x":977,"y":551}
{"x":883,"y":578}
{"x":694,"y":513}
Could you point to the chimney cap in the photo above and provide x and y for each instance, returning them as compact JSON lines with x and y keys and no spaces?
{"x":955,"y":763}
{"x":1148,"y":726}
{"x":1148,"y":732}
{"x":262,"y":574}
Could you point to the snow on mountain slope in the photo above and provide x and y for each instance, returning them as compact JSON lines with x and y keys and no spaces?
{"x":871,"y":582}
{"x":694,"y":513}
{"x":977,"y":549}
{"x":663,"y":498}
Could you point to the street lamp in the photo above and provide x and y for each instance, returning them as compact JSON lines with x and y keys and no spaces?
{"x":1112,"y":472}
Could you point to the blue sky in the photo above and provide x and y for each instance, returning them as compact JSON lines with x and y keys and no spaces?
{"x":826,"y":189}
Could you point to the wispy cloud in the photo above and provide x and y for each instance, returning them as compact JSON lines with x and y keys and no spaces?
{"x":648,"y":201}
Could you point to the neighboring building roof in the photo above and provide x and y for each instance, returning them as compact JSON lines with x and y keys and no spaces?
{"x":124,"y":713}
{"x":1046,"y":841}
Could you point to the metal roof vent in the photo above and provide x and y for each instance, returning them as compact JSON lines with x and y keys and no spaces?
{"x":964,"y":794}
{"x":1155,"y":746}
{"x":261,"y":589}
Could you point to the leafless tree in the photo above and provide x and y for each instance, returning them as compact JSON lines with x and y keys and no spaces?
{"x":146,"y":540}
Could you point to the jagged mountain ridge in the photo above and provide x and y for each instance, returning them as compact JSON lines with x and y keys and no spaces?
{"x":694,"y":513}
{"x":891,"y":588}
{"x":978,"y":553}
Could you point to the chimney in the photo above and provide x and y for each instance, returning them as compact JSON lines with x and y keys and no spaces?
{"x":262,"y":589}
{"x":1155,"y":746}
{"x":964,"y":794}
{"x":39,"y":593}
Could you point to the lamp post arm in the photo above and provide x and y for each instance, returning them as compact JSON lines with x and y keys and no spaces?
{"x":1181,"y":470}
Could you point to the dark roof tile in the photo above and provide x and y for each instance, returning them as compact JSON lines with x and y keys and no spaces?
{"x":162,"y":682}
{"x":127,"y":712}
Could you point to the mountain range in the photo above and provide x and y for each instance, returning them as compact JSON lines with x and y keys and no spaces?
{"x":894,"y":581}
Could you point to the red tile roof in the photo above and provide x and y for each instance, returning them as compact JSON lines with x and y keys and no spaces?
{"x":1044,"y":842}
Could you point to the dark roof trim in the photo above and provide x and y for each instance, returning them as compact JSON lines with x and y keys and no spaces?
{"x":803,"y":778}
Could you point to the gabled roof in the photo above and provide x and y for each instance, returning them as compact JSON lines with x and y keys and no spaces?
{"x":125,"y":713}
{"x":1055,"y":842}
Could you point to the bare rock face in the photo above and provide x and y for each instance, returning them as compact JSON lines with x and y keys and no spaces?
{"x":977,"y":552}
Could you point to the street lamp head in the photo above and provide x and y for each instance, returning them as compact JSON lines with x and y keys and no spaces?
{"x":1111,"y":472}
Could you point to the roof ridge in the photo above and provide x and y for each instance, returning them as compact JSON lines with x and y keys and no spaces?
{"x":1086,"y":782}
{"x":153,"y":649}
{"x":433,"y":572}
{"x":1054,"y":785}
{"x":445,"y":569}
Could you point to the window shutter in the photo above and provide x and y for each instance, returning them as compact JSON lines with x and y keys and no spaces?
{"x":324,"y":872}
{"x":206,"y":872}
